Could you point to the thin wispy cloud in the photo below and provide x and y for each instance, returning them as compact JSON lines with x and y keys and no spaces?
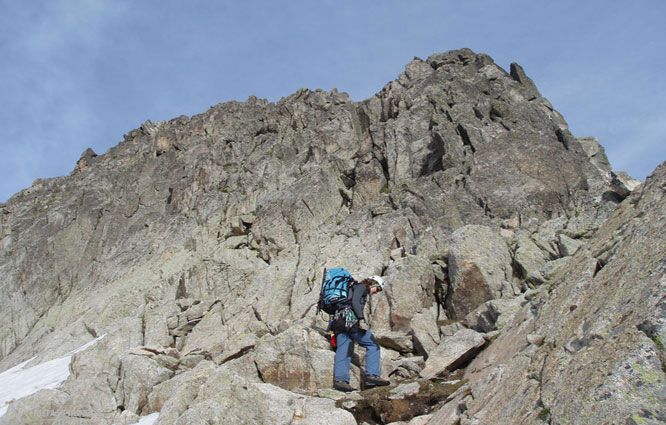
{"x":50,"y":48}
{"x":81,"y":73}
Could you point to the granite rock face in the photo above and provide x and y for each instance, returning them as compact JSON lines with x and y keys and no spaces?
{"x":590,"y":348}
{"x":196,"y":246}
{"x":479,"y":269}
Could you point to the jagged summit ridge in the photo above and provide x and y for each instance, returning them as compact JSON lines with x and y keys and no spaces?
{"x":196,"y":245}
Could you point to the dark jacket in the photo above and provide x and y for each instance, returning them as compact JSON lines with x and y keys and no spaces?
{"x":358,"y":299}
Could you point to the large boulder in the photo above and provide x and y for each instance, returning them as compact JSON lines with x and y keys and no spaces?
{"x":479,"y":269}
{"x":425,"y":332}
{"x":453,"y":352}
{"x":395,"y":340}
{"x":298,"y":359}
{"x":410,"y":289}
{"x":623,"y":184}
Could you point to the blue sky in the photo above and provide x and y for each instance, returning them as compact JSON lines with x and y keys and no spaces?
{"x":81,"y":73}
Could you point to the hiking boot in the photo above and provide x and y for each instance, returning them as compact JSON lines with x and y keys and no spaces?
{"x":375,"y":381}
{"x":343,"y":386}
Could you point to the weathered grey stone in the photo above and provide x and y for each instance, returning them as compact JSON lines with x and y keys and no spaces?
{"x":493,"y":314}
{"x":418,"y":420}
{"x":158,"y":320}
{"x":425,"y":332}
{"x":90,"y":397}
{"x":594,"y":324}
{"x":536,"y":339}
{"x":307,"y":203}
{"x":552,"y":268}
{"x":596,"y":153}
{"x":87,"y":159}
{"x":453,"y":352}
{"x":518,"y":74}
{"x":395,"y":340}
{"x":490,"y":336}
{"x":168,"y":362}
{"x":207,"y":334}
{"x":227,"y":397}
{"x":623,"y":184}
{"x":397,"y":253}
{"x":129,"y":418}
{"x":569,"y":246}
{"x":138,"y":376}
{"x":298,"y":359}
{"x":546,"y":236}
{"x":452,"y":411}
{"x":479,"y":269}
{"x":406,"y":368}
{"x":191,"y":360}
{"x":38,"y":408}
{"x":245,"y":366}
{"x":449,"y":328}
{"x":93,"y":377}
{"x":410,"y":290}
{"x":172,"y":397}
{"x":530,"y":259}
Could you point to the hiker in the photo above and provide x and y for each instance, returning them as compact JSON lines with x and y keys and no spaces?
{"x":345,"y":340}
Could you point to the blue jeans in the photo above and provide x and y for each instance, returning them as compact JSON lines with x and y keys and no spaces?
{"x":343,"y":354}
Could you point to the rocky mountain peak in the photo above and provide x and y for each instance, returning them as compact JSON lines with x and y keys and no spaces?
{"x":519,"y":263}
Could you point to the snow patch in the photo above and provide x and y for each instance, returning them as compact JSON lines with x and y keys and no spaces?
{"x":19,"y":381}
{"x":148,"y":420}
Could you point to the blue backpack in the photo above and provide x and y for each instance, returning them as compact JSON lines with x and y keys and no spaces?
{"x":335,"y":289}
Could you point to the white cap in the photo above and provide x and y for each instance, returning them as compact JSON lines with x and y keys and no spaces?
{"x":379,"y":280}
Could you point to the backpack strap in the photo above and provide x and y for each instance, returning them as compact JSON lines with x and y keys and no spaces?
{"x":321,"y":290}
